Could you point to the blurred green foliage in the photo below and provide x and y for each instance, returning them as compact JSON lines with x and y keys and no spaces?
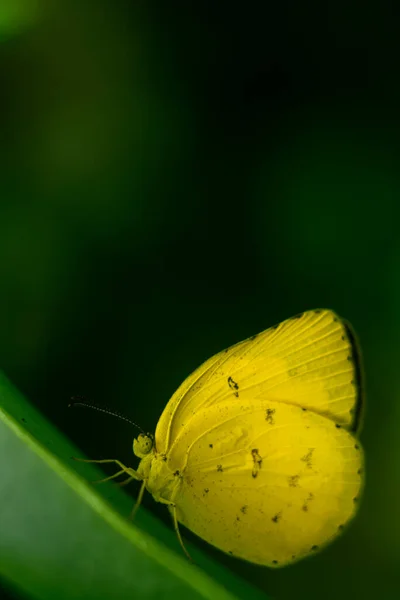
{"x":176,"y":178}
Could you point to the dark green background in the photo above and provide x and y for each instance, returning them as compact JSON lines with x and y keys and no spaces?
{"x":178,"y":176}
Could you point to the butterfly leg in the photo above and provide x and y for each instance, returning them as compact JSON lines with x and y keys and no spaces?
{"x":117,"y":474}
{"x":123,"y":469}
{"x":178,"y":533}
{"x":138,"y":501}
{"x":172,"y":509}
{"x":122,"y":483}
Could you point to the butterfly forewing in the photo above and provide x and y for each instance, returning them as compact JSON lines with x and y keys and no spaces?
{"x":310,"y":361}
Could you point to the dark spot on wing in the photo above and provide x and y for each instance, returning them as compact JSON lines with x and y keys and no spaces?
{"x":253,"y":337}
{"x":341,"y":527}
{"x":293,"y":480}
{"x":317,"y":311}
{"x":314,"y":548}
{"x":338,"y":426}
{"x":206,"y":490}
{"x":356,"y":447}
{"x":355,"y":499}
{"x":237,"y":518}
{"x":269,"y":416}
{"x":276,"y":517}
{"x":304,"y":409}
{"x":307,"y":458}
{"x":234,"y":386}
{"x":274,"y":562}
{"x":177,"y":473}
{"x":210,"y":446}
{"x":244,"y":509}
{"x":296,"y":316}
{"x":257,"y":460}
{"x":359,"y":472}
{"x":220,"y":468}
{"x":307,"y":502}
{"x":343,"y":338}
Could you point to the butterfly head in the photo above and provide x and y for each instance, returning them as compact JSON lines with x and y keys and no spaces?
{"x":143,"y":445}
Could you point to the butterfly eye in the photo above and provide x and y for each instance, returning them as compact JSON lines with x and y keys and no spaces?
{"x":142,"y":445}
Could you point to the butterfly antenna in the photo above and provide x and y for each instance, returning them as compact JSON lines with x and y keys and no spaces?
{"x":103,"y":410}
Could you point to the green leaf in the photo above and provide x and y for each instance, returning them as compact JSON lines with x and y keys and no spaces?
{"x":61,"y":537}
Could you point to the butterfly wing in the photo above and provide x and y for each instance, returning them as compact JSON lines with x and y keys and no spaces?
{"x":267,"y":483}
{"x":311,"y":361}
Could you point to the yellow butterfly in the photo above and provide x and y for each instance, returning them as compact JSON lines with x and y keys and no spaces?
{"x":256,"y":451}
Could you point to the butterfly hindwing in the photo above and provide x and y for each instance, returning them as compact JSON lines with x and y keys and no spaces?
{"x":266,"y":484}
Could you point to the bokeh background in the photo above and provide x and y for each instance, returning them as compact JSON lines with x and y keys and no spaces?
{"x":178,"y":176}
